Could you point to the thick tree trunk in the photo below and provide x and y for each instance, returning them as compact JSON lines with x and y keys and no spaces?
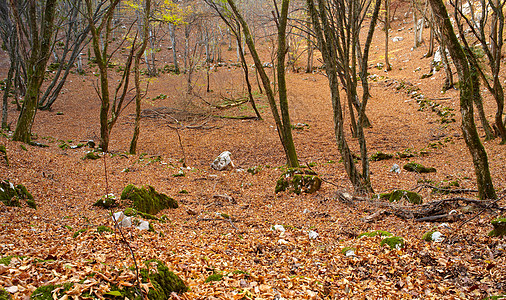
{"x":478,"y":153}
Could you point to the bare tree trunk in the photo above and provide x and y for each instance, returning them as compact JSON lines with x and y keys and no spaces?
{"x":137,"y":74}
{"x":36,"y":67}
{"x":387,"y":29}
{"x":478,"y":153}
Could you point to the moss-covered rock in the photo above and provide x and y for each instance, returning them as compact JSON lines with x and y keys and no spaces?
{"x":375,"y":233}
{"x":45,"y":292}
{"x":10,"y":194}
{"x":348,"y":251}
{"x":3,"y":154}
{"x":432,"y":236}
{"x":415,"y":167}
{"x":394,"y":242}
{"x":106,"y":201}
{"x":163,"y":280}
{"x":499,"y":227}
{"x":378,"y":156}
{"x":397,"y":195}
{"x":147,"y":200}
{"x":4,"y":295}
{"x":298,"y":180}
{"x":91,"y":155}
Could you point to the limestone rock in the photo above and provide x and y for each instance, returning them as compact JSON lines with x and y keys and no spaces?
{"x":223,"y":162}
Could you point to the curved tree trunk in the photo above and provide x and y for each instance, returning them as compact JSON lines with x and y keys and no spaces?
{"x":478,"y":153}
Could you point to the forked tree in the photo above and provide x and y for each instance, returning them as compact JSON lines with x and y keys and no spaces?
{"x":37,"y":34}
{"x":281,"y":115}
{"x":337,"y":26}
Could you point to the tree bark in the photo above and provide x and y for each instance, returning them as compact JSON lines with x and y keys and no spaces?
{"x":36,"y":66}
{"x":478,"y":153}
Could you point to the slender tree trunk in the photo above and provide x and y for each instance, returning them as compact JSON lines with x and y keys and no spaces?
{"x":478,"y":153}
{"x":5,"y":101}
{"x":172,"y":32}
{"x":137,"y":74}
{"x":387,"y":29}
{"x":36,"y":67}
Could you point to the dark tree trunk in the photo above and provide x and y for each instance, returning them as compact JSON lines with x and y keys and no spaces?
{"x":36,"y":67}
{"x":478,"y":153}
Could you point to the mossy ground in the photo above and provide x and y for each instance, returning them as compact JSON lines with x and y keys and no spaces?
{"x":10,"y":194}
{"x":415,"y":167}
{"x":46,"y":292}
{"x":106,"y":201}
{"x":3,"y":154}
{"x":394,"y":242}
{"x":298,"y":180}
{"x":378,"y":156}
{"x":375,"y":233}
{"x":4,"y":295}
{"x":147,"y":200}
{"x":397,"y":195}
{"x":499,"y":227}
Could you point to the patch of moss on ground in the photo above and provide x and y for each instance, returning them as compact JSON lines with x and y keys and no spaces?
{"x":77,"y":233}
{"x":394,"y":242}
{"x":147,"y":200}
{"x":499,"y":227}
{"x":397,"y":195}
{"x":106,"y":201}
{"x":346,"y":249}
{"x":163,"y":280}
{"x":375,"y":233}
{"x":10,"y":194}
{"x":101,"y":229}
{"x":419,"y":168}
{"x":4,"y":295}
{"x":378,"y":156}
{"x":214,"y":277}
{"x":298,"y":180}
{"x":6,"y":260}
{"x":46,"y":292}
{"x":91,"y":155}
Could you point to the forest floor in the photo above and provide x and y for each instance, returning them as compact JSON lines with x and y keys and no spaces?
{"x":256,"y":261}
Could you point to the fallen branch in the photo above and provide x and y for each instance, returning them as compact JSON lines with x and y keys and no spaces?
{"x":447,"y":190}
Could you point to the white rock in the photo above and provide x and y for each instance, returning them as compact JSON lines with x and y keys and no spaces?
{"x":12,"y":289}
{"x":397,"y":39}
{"x":350,"y":252}
{"x":444,"y":225}
{"x":223,"y":161}
{"x":123,"y":221}
{"x":395,"y":168}
{"x":437,"y":236}
{"x":279,"y":228}
{"x":313,"y":234}
{"x":283,"y":242}
{"x":144,"y":225}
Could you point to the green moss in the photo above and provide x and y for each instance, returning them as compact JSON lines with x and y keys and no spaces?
{"x":375,"y":233}
{"x":31,"y":203}
{"x":46,"y":292}
{"x":394,"y":242}
{"x":498,"y":297}
{"x":378,"y":156}
{"x":6,"y":260}
{"x":163,"y":280}
{"x":298,"y":180}
{"x":415,"y":167}
{"x":254,"y":170}
{"x":4,"y":295}
{"x":428,"y":236}
{"x":3,"y":153}
{"x":397,"y":195}
{"x":214,"y":277}
{"x":405,"y":154}
{"x":183,"y":192}
{"x":10,"y":194}
{"x":101,"y":229}
{"x":499,"y":227}
{"x":91,"y":155}
{"x":147,"y":200}
{"x":106,"y":201}
{"x":346,"y":249}
{"x":77,"y":233}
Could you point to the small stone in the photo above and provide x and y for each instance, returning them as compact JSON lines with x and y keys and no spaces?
{"x":12,"y":289}
{"x":313,"y":234}
{"x":279,"y":228}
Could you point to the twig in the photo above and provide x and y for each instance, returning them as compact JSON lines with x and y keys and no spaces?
{"x":452,"y":191}
{"x":123,"y":238}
